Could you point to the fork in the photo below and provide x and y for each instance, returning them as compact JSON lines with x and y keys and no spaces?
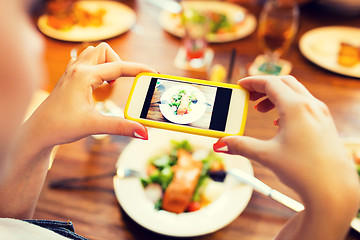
{"x":128,"y":172}
{"x":70,"y":183}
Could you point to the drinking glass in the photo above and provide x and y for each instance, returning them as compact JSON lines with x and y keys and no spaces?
{"x":278,"y":25}
{"x":195,"y":43}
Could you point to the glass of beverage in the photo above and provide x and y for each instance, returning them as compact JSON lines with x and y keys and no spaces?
{"x":195,"y":43}
{"x":278,"y":25}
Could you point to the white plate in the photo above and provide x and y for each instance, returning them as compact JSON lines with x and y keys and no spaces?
{"x":353,"y":145}
{"x":197,"y":109}
{"x":321,"y":46}
{"x":213,"y":217}
{"x":172,"y":22}
{"x":118,"y":19}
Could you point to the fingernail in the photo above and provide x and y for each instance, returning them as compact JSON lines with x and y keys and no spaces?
{"x":276,"y":122}
{"x":141,"y":134}
{"x":158,"y":72}
{"x":111,"y":82}
{"x":221,"y":147}
{"x":256,"y":106}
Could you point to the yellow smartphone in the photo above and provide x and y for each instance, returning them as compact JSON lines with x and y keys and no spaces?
{"x":188,"y":105}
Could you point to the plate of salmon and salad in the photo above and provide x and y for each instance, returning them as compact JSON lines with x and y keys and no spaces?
{"x":227,"y":21}
{"x":176,"y":195}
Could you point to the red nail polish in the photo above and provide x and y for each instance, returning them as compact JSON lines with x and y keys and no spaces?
{"x":111,"y":82}
{"x":158,"y":72}
{"x":220,"y":147}
{"x":276,"y":123}
{"x":256,"y":106}
{"x":141,"y":134}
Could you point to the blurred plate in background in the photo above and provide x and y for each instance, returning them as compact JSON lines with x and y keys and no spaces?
{"x":244,"y":23}
{"x":117,"y":19}
{"x":322,"y":45}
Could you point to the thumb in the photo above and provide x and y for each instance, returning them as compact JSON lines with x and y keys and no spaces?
{"x":248,"y":147}
{"x":120,"y":126}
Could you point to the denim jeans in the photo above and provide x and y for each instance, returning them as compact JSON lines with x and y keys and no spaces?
{"x":65,"y":229}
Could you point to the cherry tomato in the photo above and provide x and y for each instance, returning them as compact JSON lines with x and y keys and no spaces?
{"x":193,"y":206}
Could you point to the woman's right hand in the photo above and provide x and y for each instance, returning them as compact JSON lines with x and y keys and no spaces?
{"x":306,"y":153}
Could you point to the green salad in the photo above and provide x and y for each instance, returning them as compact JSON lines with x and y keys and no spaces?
{"x":217,"y":22}
{"x":160,"y":173}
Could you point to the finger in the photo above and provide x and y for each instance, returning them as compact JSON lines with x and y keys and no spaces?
{"x":294,"y":84}
{"x":255,"y":96}
{"x":105,"y":53}
{"x":114,"y":70}
{"x":280,"y":94}
{"x":288,"y":80}
{"x":71,"y":62}
{"x":120,"y":126}
{"x":102,"y":53}
{"x":251,"y":148}
{"x":265,"y":106}
{"x":258,"y":83}
{"x":83,"y":55}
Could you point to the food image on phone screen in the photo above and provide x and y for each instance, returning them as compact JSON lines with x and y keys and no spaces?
{"x":191,"y":104}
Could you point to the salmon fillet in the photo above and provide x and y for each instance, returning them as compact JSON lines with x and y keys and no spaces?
{"x":178,"y":194}
{"x":184,"y":105}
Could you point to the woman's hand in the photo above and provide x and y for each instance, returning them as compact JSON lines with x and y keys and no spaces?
{"x":68,"y":114}
{"x":306,"y":154}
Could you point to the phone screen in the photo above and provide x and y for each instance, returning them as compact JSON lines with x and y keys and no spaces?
{"x":191,"y":104}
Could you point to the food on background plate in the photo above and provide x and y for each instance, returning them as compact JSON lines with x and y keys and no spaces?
{"x":217,"y":22}
{"x":178,"y":181}
{"x":65,"y":14}
{"x":349,"y":55}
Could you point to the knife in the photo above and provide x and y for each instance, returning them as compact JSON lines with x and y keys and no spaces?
{"x":260,"y":187}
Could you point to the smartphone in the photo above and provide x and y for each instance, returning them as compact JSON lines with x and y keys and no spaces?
{"x":188,"y":105}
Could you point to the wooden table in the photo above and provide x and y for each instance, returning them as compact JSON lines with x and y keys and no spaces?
{"x":95,"y":210}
